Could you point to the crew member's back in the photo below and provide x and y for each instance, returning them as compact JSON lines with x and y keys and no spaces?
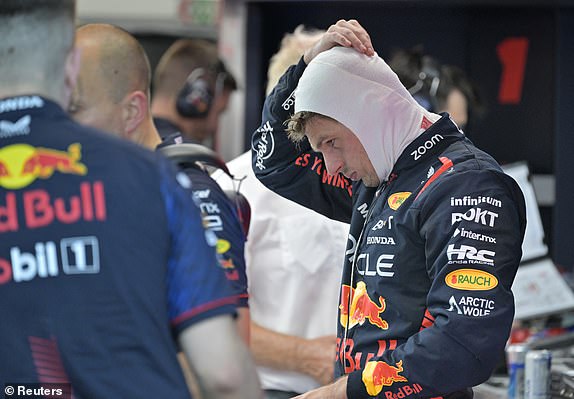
{"x":86,"y":294}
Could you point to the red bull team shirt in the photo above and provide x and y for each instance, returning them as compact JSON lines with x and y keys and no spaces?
{"x":95,"y":281}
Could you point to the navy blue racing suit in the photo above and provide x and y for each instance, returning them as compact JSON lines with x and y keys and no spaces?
{"x":220,"y":215}
{"x":425,"y":304}
{"x":95,"y":282}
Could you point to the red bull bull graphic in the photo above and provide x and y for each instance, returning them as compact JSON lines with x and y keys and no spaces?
{"x":22,"y":164}
{"x":227,"y":263}
{"x":229,"y":267}
{"x":222,"y":247}
{"x":362,"y":307}
{"x":377,"y":375}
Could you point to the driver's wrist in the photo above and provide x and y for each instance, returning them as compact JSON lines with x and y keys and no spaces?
{"x":308,"y":56}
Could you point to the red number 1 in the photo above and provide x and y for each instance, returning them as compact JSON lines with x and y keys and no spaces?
{"x":512,"y":53}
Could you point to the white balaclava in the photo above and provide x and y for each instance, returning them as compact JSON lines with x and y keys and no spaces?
{"x":366,"y":96}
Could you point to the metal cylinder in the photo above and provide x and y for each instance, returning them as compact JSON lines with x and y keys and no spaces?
{"x":515,"y":359}
{"x":537,"y":374}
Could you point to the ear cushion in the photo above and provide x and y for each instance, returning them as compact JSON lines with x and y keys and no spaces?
{"x":425,"y":89}
{"x":195,"y":97}
{"x":430,"y":76}
{"x":186,"y":154}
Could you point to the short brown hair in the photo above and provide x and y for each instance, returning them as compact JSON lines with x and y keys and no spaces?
{"x":297,"y":123}
{"x":181,"y":58}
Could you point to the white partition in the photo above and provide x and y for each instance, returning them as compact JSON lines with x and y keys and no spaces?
{"x":533,"y":245}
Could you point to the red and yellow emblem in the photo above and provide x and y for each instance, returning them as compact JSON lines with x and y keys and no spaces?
{"x":22,"y":164}
{"x":397,"y":199}
{"x":362,"y":307}
{"x":222,"y":246}
{"x":377,"y":375}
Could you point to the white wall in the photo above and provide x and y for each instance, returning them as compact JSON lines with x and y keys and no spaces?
{"x":174,"y":17}
{"x":232,"y":38}
{"x":135,"y":9}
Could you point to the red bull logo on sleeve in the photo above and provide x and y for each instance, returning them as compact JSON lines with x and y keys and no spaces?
{"x":228,"y":266}
{"x":222,"y":247}
{"x":377,"y":375}
{"x":22,"y":164}
{"x":362,"y":307}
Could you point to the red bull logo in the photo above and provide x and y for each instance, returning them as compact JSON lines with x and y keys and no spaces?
{"x":397,"y":199}
{"x":22,"y":164}
{"x":232,"y":275}
{"x":362,"y":307}
{"x":377,"y":375}
{"x":229,"y":267}
{"x":227,"y":263}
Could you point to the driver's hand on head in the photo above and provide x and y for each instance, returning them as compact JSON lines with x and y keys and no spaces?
{"x":344,"y":33}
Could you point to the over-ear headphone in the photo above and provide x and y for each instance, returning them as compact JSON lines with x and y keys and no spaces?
{"x":425,"y":89}
{"x":199,"y":90}
{"x":188,"y":155}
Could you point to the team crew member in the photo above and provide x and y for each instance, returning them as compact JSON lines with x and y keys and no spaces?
{"x":192,"y":88}
{"x":113,"y":94}
{"x":96,"y":283}
{"x":436,"y":226}
{"x":225,"y":215}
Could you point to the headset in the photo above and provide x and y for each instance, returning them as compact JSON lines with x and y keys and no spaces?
{"x":196,"y":156}
{"x":196,"y":97}
{"x":425,"y":89}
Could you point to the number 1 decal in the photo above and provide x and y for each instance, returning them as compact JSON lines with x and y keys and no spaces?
{"x":512,"y":53}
